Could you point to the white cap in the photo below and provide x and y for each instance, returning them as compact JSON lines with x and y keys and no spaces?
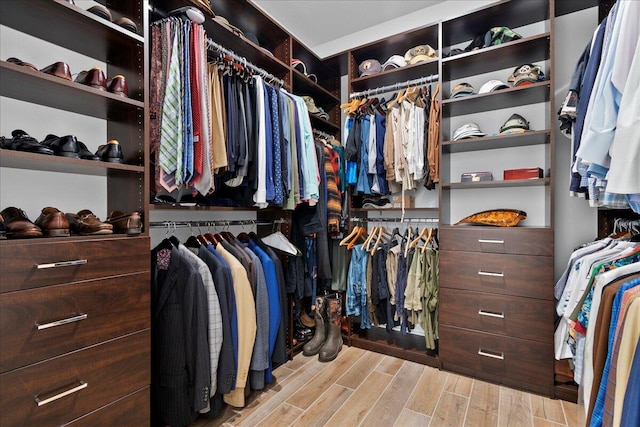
{"x":395,"y":61}
{"x":493,"y":85}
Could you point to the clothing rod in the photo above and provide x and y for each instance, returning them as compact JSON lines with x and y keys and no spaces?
{"x":215,"y":223}
{"x":384,"y":219}
{"x":211,"y":45}
{"x":396,"y":86}
{"x":322,"y":134}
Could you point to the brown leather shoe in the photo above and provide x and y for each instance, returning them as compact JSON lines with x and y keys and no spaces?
{"x":18,"y":224}
{"x":118,"y":86}
{"x":59,"y":69}
{"x":101,"y":11}
{"x":18,"y":61}
{"x":94,"y":78}
{"x":3,"y":229}
{"x":53,"y":223}
{"x":125,"y":223}
{"x":86,"y":223}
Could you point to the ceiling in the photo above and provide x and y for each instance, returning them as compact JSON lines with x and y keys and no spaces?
{"x":326,"y":26}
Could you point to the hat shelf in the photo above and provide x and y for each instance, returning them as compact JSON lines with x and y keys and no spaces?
{"x":535,"y":137}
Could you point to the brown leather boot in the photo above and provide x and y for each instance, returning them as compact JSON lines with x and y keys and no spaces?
{"x":313,"y":346}
{"x":333,"y":343}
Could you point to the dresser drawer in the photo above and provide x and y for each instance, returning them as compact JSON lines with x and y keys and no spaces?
{"x":31,"y":264}
{"x":495,"y":357}
{"x":517,"y":317}
{"x":519,"y":275}
{"x":62,"y":389}
{"x":41,"y":323}
{"x":504,"y":240}
{"x":131,"y":410}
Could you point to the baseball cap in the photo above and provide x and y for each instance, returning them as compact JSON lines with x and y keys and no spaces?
{"x":492,"y":86}
{"x":313,"y":109}
{"x":369,"y":67}
{"x":420,"y":53}
{"x":526,"y":74}
{"x":467,"y":131}
{"x":394,"y":61}
{"x":514,"y":124}
{"x":462,"y":89}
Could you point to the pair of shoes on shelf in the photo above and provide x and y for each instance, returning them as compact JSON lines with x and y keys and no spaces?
{"x":105,"y":13}
{"x":21,"y":141}
{"x":95,"y":78}
{"x":15,"y":224}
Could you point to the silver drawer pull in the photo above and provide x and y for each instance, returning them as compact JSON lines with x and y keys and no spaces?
{"x":62,"y":264}
{"x":42,"y":402}
{"x":62,"y":322}
{"x":497,"y":242}
{"x":493,"y":355}
{"x":488,"y":273}
{"x":491,"y":314}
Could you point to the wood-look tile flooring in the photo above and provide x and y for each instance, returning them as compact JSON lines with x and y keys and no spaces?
{"x":363,"y":388}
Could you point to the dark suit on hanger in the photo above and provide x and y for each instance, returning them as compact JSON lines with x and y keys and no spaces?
{"x":180,"y":363}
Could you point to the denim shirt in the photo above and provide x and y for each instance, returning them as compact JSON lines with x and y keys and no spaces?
{"x":357,"y":283}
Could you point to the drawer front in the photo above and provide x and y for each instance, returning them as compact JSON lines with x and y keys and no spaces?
{"x":132,"y":410}
{"x":504,"y":240}
{"x":26,"y":265}
{"x":519,"y":275}
{"x":517,"y":317}
{"x":41,"y":323}
{"x":495,"y":357}
{"x":60,"y":390}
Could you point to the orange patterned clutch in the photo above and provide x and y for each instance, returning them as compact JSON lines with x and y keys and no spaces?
{"x":497,"y":217}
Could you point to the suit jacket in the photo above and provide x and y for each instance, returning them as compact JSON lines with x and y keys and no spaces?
{"x":260,"y":355}
{"x":180,"y":363}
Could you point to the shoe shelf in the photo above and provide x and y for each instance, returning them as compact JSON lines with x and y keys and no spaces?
{"x":73,"y":238}
{"x":536,"y":182}
{"x":23,"y":83}
{"x":536,"y":137}
{"x":507,"y":55}
{"x":188,"y":207}
{"x":73,"y":27}
{"x":24,"y":160}
{"x":504,"y":98}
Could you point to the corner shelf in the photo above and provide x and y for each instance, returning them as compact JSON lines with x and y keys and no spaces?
{"x":536,"y":137}
{"x":537,"y":182}
{"x":20,"y":82}
{"x":505,"y":98}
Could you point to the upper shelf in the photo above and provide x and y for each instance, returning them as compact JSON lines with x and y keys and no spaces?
{"x":507,"y":55}
{"x":499,"y":141}
{"x":23,"y":160}
{"x":23,"y":83}
{"x":63,"y":24}
{"x":504,"y":98}
{"x":396,"y":75}
{"x":303,"y":85}
{"x":536,"y":182}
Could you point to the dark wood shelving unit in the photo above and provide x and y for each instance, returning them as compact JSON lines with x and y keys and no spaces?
{"x":395,"y":75}
{"x":24,"y":160}
{"x":500,"y":99}
{"x":537,"y":182}
{"x":507,"y":55}
{"x":494,"y":142}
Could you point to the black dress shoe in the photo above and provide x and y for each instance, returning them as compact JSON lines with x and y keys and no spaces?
{"x":21,"y":141}
{"x":83,"y":151}
{"x":65,"y":146}
{"x":111,"y":152}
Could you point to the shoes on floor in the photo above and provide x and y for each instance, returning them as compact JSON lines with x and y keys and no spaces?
{"x":59,"y":69}
{"x":111,"y":152}
{"x":86,"y":223}
{"x":94,"y":78}
{"x":53,"y":223}
{"x":21,"y":141}
{"x":18,"y":225}
{"x":125,"y":223}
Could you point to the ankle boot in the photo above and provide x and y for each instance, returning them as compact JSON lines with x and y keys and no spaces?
{"x":313,"y":346}
{"x":333,"y":344}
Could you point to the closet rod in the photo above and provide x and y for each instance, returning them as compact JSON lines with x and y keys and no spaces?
{"x":395,"y":86}
{"x":322,"y":134}
{"x":384,"y":219}
{"x":215,"y":223}
{"x":211,"y":45}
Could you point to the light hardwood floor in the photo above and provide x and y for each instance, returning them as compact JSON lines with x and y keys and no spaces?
{"x":362,"y":388}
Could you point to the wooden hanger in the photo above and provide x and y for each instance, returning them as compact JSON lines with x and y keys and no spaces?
{"x":361,"y":232}
{"x":423,"y":234}
{"x":347,"y":239}
{"x":373,"y":232}
{"x":407,"y":245}
{"x":383,"y":235}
